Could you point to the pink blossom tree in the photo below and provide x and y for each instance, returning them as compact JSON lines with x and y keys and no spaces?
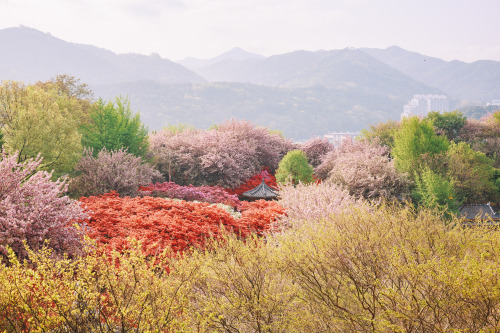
{"x":112,"y":171}
{"x":365,"y":170}
{"x":312,"y":202}
{"x":484,"y":135}
{"x":316,"y":149}
{"x":34,"y":210}
{"x":226,"y":155}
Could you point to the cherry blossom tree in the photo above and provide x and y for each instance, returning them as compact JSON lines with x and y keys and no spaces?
{"x":364,"y":169}
{"x":111,"y":171}
{"x":226,"y":155}
{"x":316,"y":149}
{"x":34,"y":210}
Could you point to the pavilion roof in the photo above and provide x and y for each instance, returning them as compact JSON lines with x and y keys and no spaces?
{"x":483,"y":212}
{"x":261,"y":191}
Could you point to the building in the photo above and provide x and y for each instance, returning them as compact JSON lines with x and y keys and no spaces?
{"x":487,"y":213}
{"x":337,"y":137}
{"x":421,"y":105}
{"x":494,"y":102}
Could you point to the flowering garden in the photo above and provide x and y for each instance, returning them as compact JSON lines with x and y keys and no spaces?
{"x":150,"y":232}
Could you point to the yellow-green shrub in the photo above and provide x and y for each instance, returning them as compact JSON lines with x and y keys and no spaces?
{"x":387,"y":269}
{"x":96,"y":293}
{"x":393,"y":269}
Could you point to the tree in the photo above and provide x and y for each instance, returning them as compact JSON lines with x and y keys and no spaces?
{"x":316,"y":149}
{"x":37,"y":121}
{"x":113,"y":126}
{"x":448,"y":124}
{"x":416,"y":144}
{"x":226,"y":155}
{"x":435,"y":192}
{"x":71,"y":87}
{"x":33,"y":209}
{"x":366,"y":171}
{"x":111,"y":171}
{"x":472,"y":172}
{"x":484,"y":135}
{"x":382,"y":133}
{"x":294,"y":168}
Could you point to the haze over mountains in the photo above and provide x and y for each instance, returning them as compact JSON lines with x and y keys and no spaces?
{"x":301,"y":93}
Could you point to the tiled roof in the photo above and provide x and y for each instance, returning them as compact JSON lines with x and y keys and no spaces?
{"x":261,"y":191}
{"x":483,"y":212}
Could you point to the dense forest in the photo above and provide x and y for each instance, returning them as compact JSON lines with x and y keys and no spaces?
{"x":106,"y":226}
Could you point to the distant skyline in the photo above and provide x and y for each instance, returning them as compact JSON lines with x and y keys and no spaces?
{"x":465,"y":30}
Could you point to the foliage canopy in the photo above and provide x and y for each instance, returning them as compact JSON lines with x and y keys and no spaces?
{"x":113,"y":126}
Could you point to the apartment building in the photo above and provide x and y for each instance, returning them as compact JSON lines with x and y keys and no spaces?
{"x":421,"y":105}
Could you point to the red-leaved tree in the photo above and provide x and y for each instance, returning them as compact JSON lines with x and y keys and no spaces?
{"x":34,"y":210}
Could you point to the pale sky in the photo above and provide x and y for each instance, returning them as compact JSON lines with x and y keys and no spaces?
{"x":466,"y":30}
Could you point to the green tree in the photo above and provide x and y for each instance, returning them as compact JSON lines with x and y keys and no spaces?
{"x":41,"y":121}
{"x":436,"y":192}
{"x":295,"y":168}
{"x":71,"y":87}
{"x":382,"y":132}
{"x":113,"y":126}
{"x":416,"y":144}
{"x":472,"y":172}
{"x":448,"y":123}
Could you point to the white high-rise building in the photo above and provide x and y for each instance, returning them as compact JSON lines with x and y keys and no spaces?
{"x":421,"y":105}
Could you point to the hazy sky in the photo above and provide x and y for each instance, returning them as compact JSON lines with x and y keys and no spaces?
{"x":467,"y":30}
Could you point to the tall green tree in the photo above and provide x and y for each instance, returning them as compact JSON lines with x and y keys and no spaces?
{"x":294,"y":168}
{"x":416,"y":144}
{"x":113,"y":126}
{"x":435,"y":191}
{"x":37,"y":120}
{"x":448,"y":123}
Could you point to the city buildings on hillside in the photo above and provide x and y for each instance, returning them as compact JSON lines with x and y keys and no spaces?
{"x":421,"y":105}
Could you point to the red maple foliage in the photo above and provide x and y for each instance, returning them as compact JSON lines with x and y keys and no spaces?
{"x":159,"y":222}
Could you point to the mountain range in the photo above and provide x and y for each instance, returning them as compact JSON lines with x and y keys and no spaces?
{"x":301,"y":93}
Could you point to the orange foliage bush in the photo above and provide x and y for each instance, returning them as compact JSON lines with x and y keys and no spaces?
{"x":160,"y":222}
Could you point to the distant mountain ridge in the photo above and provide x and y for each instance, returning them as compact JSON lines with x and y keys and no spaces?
{"x":302,"y":93}
{"x":236,"y":54}
{"x":478,"y":81}
{"x":338,"y":69}
{"x":30,"y":55}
